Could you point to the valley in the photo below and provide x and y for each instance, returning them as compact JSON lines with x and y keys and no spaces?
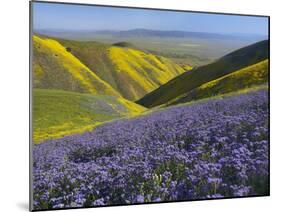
{"x":79,"y":85}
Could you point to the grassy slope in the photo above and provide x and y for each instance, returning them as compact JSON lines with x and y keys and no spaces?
{"x":93,"y":55}
{"x":87,"y":67}
{"x":141,"y":72}
{"x":190,"y":80}
{"x":58,"y":113}
{"x":54,"y":67}
{"x":250,"y":76}
{"x":131,"y":72}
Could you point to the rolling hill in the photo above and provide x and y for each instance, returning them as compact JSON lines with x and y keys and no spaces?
{"x":138,"y":73}
{"x":190,"y":80}
{"x":79,"y":85}
{"x":251,"y":76}
{"x":58,"y":113}
{"x":56,"y":68}
{"x":130,"y":71}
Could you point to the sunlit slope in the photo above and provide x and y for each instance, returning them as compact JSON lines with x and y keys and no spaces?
{"x":58,"y":113}
{"x":130,"y":71}
{"x":95,"y":56}
{"x":142,"y":72}
{"x":249,"y":77}
{"x":54,"y":67}
{"x":190,"y":80}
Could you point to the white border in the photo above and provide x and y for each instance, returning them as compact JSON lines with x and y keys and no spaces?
{"x":14,"y":117}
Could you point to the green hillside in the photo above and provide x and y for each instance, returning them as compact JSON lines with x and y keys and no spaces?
{"x":245,"y":78}
{"x":130,"y":71}
{"x":190,"y":80}
{"x":58,"y":113}
{"x":56,"y":68}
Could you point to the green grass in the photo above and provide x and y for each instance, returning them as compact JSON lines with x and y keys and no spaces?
{"x":248,"y":77}
{"x":190,"y":80}
{"x":58,"y":113}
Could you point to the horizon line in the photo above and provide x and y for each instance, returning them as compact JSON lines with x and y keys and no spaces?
{"x":131,"y":29}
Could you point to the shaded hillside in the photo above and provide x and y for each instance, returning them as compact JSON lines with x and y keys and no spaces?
{"x":94,"y":56}
{"x":187,"y":81}
{"x":55,"y":67}
{"x":245,"y":78}
{"x":130,"y":71}
{"x":58,"y":113}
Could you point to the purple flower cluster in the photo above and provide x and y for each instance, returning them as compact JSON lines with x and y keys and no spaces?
{"x":212,"y":149}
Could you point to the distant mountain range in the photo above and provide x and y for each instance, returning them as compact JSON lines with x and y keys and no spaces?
{"x":140,"y":33}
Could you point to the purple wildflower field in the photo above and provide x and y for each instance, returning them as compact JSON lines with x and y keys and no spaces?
{"x":212,"y":149}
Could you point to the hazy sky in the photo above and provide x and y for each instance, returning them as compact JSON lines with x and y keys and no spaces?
{"x":80,"y":17}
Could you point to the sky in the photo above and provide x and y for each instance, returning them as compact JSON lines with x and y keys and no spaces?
{"x":81,"y":17}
